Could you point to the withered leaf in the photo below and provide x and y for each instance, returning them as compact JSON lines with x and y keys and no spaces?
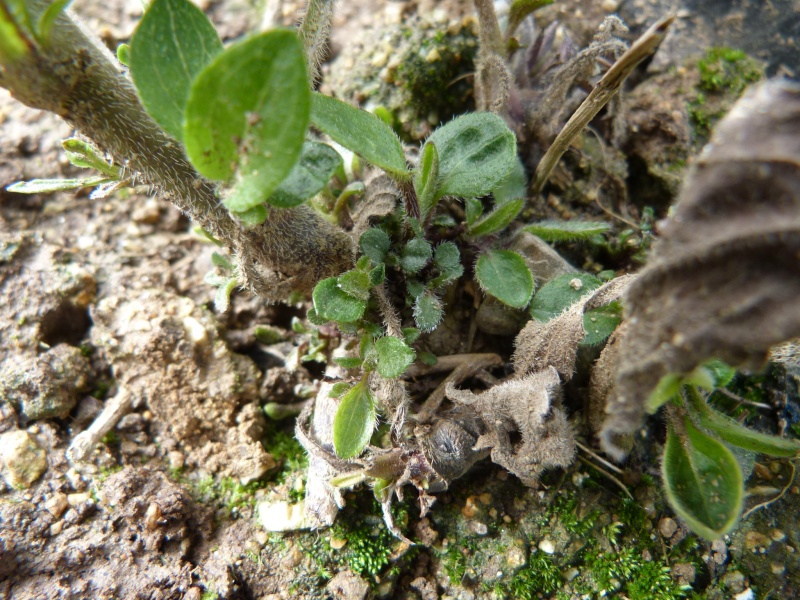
{"x":724,"y":278}
{"x":555,"y":343}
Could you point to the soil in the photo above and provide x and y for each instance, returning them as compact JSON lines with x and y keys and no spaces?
{"x":102,"y":303}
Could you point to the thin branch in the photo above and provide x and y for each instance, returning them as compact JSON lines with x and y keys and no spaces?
{"x":776,"y":498}
{"x":622,"y":486}
{"x":605,"y":89}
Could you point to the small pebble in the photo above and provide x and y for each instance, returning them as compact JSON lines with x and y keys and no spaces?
{"x":745,"y":595}
{"x":24,"y":459}
{"x":281,"y":516}
{"x":667,"y":527}
{"x":778,"y":568}
{"x":338,"y":543}
{"x":547,"y":546}
{"x":57,"y":504}
{"x":478,"y":528}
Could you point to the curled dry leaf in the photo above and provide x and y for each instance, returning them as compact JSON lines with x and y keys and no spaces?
{"x":529,"y":406}
{"x":724,"y":277}
{"x":555,"y":343}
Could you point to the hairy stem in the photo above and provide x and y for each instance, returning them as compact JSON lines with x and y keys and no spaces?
{"x":76,"y":78}
{"x":314,"y":30}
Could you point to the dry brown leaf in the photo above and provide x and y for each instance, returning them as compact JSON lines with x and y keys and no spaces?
{"x":724,"y":278}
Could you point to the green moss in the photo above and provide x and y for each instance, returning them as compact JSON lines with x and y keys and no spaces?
{"x":724,"y":74}
{"x":540,"y":575}
{"x":627,"y":572}
{"x":566,"y":510}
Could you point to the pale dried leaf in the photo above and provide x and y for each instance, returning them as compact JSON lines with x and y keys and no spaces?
{"x":724,"y":277}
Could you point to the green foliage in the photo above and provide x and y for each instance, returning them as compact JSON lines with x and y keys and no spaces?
{"x":360,"y":131}
{"x":567,"y":231}
{"x":557,"y":295}
{"x":13,"y":41}
{"x":375,"y":243}
{"x":247,"y":115}
{"x":727,"y":69}
{"x":600,"y":323}
{"x":394,"y":356}
{"x":415,"y":255}
{"x":334,"y":304}
{"x":172,"y":44}
{"x":541,"y":575}
{"x":317,"y":164}
{"x":428,"y":311}
{"x":354,"y":421}
{"x":477,"y":152}
{"x":426,"y":179}
{"x":497,"y":220}
{"x":48,"y":18}
{"x":703,"y":480}
{"x":504,"y":275}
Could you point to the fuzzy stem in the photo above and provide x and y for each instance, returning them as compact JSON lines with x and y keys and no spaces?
{"x":314,"y":30}
{"x":76,"y":78}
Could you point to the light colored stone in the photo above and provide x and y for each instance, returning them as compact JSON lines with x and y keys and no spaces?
{"x":281,"y":516}
{"x":57,"y":504}
{"x":547,"y":546}
{"x":23,"y":459}
{"x":667,"y":527}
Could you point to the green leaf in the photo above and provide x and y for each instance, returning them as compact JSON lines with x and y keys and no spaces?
{"x":428,"y":311}
{"x":86,"y":155}
{"x":375,"y":243}
{"x":428,"y":358}
{"x":339,"y":389}
{"x":410,"y":334}
{"x":703,"y":481}
{"x":253,"y":216}
{"x":476,"y":153}
{"x":721,"y":374}
{"x":668,"y":387}
{"x":520,"y":9}
{"x":333,"y":304}
{"x":504,"y":275}
{"x":48,"y":17}
{"x":220,"y":261}
{"x":473,"y":209}
{"x":600,"y":323}
{"x":567,"y":231}
{"x":13,"y":42}
{"x":361,"y":132}
{"x":355,"y":283}
{"x":45,"y":186}
{"x":560,"y":293}
{"x":377,"y":275}
{"x":124,"y":54}
{"x":348,"y":362}
{"x":250,"y":108}
{"x":426,"y":179}
{"x":318,"y":162}
{"x":222,"y":299}
{"x":172,"y":44}
{"x":514,"y":187}
{"x":415,"y":255}
{"x":447,"y":257}
{"x":266,"y":334}
{"x":354,"y":421}
{"x":737,"y":434}
{"x":394,"y":356}
{"x":497,"y":220}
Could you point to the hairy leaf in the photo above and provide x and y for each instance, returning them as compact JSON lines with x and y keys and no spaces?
{"x":354,"y":421}
{"x":253,"y":216}
{"x":394,"y":356}
{"x":504,"y":275}
{"x":723,"y":279}
{"x":428,"y":311}
{"x":557,"y":295}
{"x":173,"y":42}
{"x":247,"y":114}
{"x":375,"y":243}
{"x":477,"y":151}
{"x":497,"y":220}
{"x":45,"y":186}
{"x":361,"y":132}
{"x":473,"y":209}
{"x":567,"y":231}
{"x":600,"y":323}
{"x":86,"y":155}
{"x":317,"y":164}
{"x":514,"y":187}
{"x":415,"y":255}
{"x":703,"y":481}
{"x":334,"y":304}
{"x":356,"y":283}
{"x":426,"y":180}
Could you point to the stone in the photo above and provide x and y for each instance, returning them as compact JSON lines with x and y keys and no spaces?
{"x":23,"y":459}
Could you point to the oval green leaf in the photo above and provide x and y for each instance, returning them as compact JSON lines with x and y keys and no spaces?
{"x":477,"y":151}
{"x":354,"y":421}
{"x":375,"y":244}
{"x":173,"y":42}
{"x":415,"y":255}
{"x":361,"y":132}
{"x":318,"y":162}
{"x":247,"y":113}
{"x":600,"y":323}
{"x":703,"y":481}
{"x":394,"y":356}
{"x":428,"y":311}
{"x":504,"y":275}
{"x":560,"y":293}
{"x":426,"y":179}
{"x":333,"y":304}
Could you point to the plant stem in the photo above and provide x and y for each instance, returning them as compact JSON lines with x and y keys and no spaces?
{"x":75,"y":77}
{"x":313,"y":30}
{"x":605,"y":89}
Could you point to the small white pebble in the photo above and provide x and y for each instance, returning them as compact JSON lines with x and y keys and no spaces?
{"x":547,"y":546}
{"x":745,"y":595}
{"x":575,"y":284}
